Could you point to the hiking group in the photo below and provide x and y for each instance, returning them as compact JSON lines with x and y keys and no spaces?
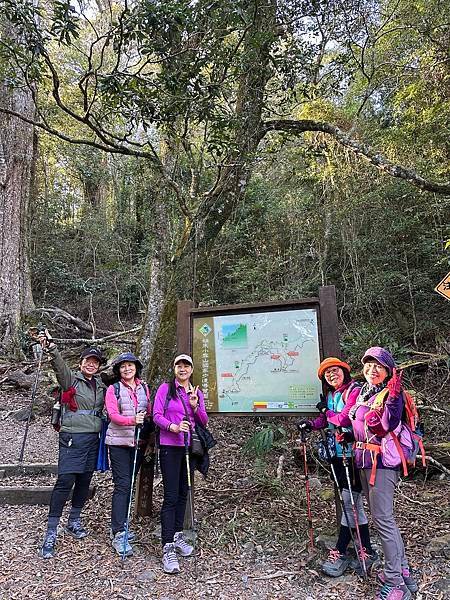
{"x":368,"y":434}
{"x":178,"y":409}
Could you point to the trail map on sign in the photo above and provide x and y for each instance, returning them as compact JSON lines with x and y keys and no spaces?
{"x":258,"y":362}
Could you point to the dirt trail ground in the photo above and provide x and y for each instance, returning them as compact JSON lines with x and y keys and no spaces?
{"x":252,"y":532}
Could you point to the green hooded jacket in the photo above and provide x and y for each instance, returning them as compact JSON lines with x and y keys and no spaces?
{"x":90,"y":402}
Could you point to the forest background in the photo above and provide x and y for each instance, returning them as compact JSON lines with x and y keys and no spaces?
{"x":225,"y":152}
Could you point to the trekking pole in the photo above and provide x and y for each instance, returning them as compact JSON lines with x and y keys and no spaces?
{"x":133,"y":477}
{"x":308,"y":491}
{"x":362,"y":558}
{"x":191,"y":498}
{"x":33,"y":396}
{"x":341,"y":499}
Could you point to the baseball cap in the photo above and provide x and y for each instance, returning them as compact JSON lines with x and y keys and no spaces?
{"x":185,"y":358}
{"x":94,"y":353}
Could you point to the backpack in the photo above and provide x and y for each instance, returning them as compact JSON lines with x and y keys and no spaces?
{"x":326,"y":448}
{"x":60,"y":406}
{"x":411,"y":419}
{"x":409,"y":434}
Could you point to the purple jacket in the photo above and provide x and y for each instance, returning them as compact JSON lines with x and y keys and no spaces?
{"x":175,"y":413}
{"x":391,"y":419}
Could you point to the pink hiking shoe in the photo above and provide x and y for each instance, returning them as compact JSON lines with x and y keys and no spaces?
{"x":393,"y":592}
{"x":408,"y":580}
{"x":336,"y":563}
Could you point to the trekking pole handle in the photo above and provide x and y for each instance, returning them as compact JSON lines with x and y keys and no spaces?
{"x":325,"y":443}
{"x":343,"y":442}
{"x":140,"y":424}
{"x":185,"y":433}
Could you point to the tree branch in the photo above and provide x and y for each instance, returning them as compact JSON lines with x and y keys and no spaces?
{"x":97,"y":340}
{"x":360,"y":149}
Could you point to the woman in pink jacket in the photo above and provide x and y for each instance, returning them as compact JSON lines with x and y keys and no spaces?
{"x":127,"y":403}
{"x":178,"y":407}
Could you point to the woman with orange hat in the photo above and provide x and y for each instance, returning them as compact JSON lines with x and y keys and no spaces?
{"x":341,"y":392}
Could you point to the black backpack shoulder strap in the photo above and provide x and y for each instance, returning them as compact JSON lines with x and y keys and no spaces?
{"x":146,"y":389}
{"x":116,"y":387}
{"x":166,"y":401}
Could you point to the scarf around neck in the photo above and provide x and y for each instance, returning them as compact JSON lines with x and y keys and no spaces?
{"x":367,"y":392}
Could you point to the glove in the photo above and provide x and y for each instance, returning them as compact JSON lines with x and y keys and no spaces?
{"x":322,"y":406}
{"x":68,"y":399}
{"x":394,"y":385}
{"x":45,"y":339}
{"x":304,"y":425}
{"x":345,"y":437}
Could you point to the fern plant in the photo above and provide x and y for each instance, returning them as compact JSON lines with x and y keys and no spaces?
{"x":263,"y":441}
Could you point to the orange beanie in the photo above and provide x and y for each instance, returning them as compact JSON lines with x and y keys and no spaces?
{"x":332,"y":361}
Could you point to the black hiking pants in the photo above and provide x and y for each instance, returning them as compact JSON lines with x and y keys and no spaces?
{"x":122,"y":460}
{"x":61,"y":492}
{"x":172,"y":461}
{"x":76,"y":464}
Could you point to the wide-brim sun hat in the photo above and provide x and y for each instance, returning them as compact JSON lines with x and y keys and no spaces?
{"x":381,"y":355}
{"x":184,"y":358}
{"x":332,"y":361}
{"x":126,"y":357}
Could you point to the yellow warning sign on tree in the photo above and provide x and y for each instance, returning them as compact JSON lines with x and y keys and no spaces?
{"x":443,"y":287}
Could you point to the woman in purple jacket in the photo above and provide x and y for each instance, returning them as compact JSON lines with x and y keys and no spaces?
{"x":178,"y":407}
{"x":377,"y":424}
{"x":341,"y":393}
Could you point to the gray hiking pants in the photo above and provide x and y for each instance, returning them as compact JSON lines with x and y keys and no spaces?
{"x":381,"y":503}
{"x":359,"y":506}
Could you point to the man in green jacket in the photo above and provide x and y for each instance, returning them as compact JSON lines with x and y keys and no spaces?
{"x":81,"y":411}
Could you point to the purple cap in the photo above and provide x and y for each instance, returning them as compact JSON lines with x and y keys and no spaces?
{"x":383,"y":356}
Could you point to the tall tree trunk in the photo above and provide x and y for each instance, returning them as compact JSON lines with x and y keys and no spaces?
{"x":16,"y":167}
{"x":157,"y":341}
{"x":159,"y":278}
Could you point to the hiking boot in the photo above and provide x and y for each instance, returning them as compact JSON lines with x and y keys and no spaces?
{"x":118,"y":544}
{"x":369,"y":559}
{"x":170,"y":560}
{"x":131,"y":535}
{"x":76,"y":529}
{"x":408,"y":580}
{"x":181,"y":546}
{"x":336,"y":564}
{"x":48,"y":547}
{"x":393,"y":592}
